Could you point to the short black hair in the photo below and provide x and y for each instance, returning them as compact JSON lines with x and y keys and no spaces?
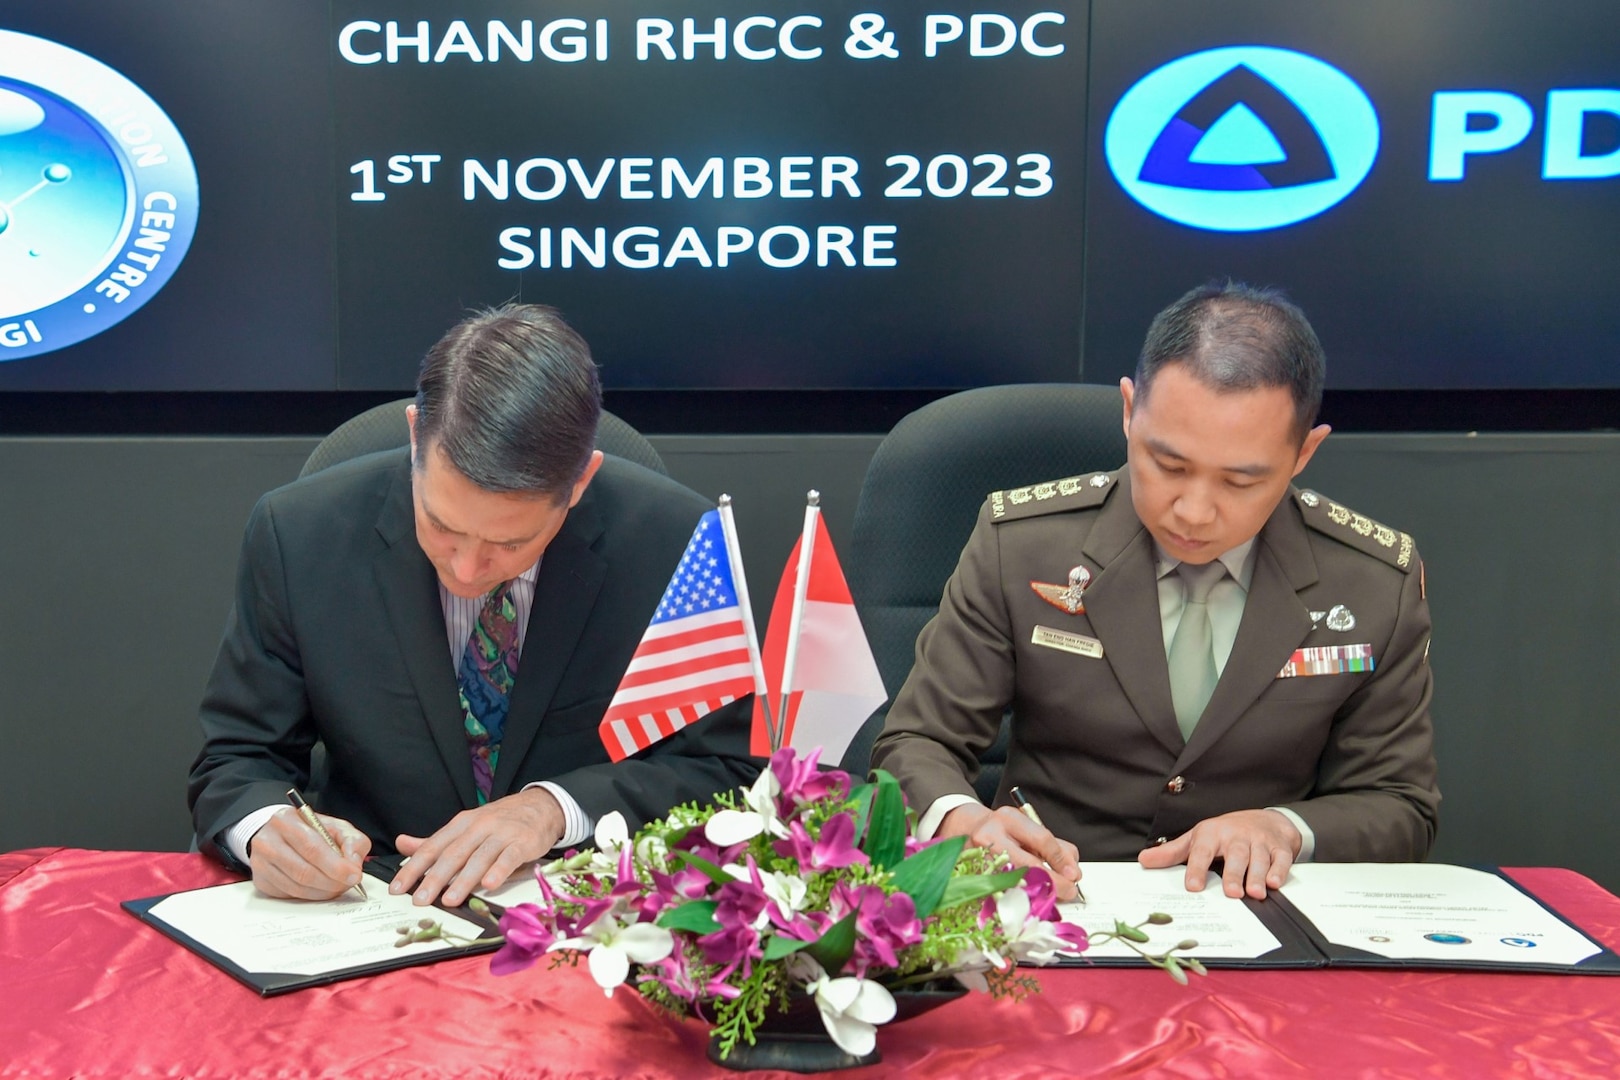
{"x":511,"y":395}
{"x":1233,"y":336}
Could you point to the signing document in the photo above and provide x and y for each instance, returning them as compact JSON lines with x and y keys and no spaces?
{"x":1224,"y":928}
{"x":301,"y":937}
{"x":1424,"y":911}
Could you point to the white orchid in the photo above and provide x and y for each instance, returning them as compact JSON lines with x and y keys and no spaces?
{"x":787,"y":891}
{"x":1035,"y":940}
{"x":612,"y":944}
{"x":851,"y":1009}
{"x":729,"y":827}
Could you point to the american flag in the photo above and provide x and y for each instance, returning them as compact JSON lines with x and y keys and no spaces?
{"x":694,"y":656}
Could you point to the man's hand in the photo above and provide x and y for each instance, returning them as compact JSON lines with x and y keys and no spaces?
{"x":1258,"y":846}
{"x":290,"y":859}
{"x":1025,"y":842}
{"x":479,"y":847}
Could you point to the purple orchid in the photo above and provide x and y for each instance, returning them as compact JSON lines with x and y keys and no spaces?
{"x":674,"y":974}
{"x":1042,"y":893}
{"x":802,"y":780}
{"x":742,"y":903}
{"x":528,"y":936}
{"x":833,"y":849}
{"x":884,"y":924}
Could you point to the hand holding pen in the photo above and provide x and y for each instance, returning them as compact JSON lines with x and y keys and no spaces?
{"x":1027,"y":808}
{"x":307,"y":812}
{"x":1022,"y":839}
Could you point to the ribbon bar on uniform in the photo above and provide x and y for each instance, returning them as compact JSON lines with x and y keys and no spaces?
{"x":1328,"y":660}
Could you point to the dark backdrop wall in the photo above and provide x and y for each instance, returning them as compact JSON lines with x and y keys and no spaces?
{"x":117,"y":557}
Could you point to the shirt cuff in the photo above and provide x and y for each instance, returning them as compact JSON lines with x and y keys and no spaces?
{"x":930,"y":822}
{"x":1307,"y":839}
{"x":577,"y":824}
{"x":238,"y":836}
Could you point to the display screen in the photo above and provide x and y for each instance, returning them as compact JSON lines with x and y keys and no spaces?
{"x":1436,"y":182}
{"x":239,"y":196}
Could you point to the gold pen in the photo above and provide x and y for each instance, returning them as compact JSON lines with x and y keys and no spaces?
{"x":307,"y":812}
{"x":1028,"y":810}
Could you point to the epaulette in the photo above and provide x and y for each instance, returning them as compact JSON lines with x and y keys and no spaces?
{"x":1362,"y":533}
{"x":1054,"y":496}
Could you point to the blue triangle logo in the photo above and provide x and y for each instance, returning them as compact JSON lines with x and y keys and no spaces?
{"x":1239,"y":137}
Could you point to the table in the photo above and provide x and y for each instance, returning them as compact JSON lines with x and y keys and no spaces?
{"x":87,"y":990}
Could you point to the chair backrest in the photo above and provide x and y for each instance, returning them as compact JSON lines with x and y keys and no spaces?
{"x":923,"y":491}
{"x":383,"y":427}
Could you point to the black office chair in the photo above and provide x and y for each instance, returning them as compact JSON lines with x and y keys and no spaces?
{"x":383,"y":427}
{"x":923,"y":491}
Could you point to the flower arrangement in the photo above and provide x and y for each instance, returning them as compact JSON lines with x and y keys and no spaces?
{"x":802,"y":884}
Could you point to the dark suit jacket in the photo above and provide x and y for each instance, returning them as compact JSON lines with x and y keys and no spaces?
{"x":337,"y":634}
{"x":1094,"y":739}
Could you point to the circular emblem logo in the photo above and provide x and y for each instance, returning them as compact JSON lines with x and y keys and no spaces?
{"x":98,"y":196}
{"x":1242,"y":139}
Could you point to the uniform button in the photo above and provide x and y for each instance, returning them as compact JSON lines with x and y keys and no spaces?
{"x":1176,"y":784}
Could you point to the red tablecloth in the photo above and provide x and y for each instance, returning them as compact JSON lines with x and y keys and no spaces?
{"x":86,"y":990}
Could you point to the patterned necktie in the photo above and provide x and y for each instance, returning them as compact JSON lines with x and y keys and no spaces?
{"x":488,"y":667}
{"x":1192,"y":650}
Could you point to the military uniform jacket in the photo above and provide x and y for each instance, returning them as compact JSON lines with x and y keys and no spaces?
{"x":1094,"y":738}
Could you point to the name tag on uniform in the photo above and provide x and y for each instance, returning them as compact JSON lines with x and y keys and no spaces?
{"x":1065,"y":641}
{"x":1328,"y":660}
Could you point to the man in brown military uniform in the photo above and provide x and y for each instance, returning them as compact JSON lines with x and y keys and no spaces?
{"x":1202,"y":662}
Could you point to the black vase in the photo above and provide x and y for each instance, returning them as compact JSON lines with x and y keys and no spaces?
{"x":797,"y":1041}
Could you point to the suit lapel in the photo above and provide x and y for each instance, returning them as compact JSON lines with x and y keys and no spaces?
{"x":571,"y":575}
{"x":1122,"y":607}
{"x":1274,"y":623}
{"x":410,"y":593}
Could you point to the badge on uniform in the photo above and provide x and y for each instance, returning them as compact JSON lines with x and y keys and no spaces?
{"x":1064,"y":641}
{"x":1340,"y":618}
{"x":1069,"y":598}
{"x":1329,"y":660}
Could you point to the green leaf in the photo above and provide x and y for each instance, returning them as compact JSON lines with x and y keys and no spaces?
{"x":924,"y":876}
{"x":696,"y":916}
{"x":711,"y":871}
{"x":1193,"y":964}
{"x":832,"y":950}
{"x":971,"y":887}
{"x":862,"y":798}
{"x":778,"y":947}
{"x":886,"y":838}
{"x":1172,"y":968}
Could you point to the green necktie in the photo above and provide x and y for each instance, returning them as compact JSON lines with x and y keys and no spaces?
{"x":1192,"y":650}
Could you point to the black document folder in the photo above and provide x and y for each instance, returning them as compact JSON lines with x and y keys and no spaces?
{"x":269,"y":983}
{"x":1302,"y":944}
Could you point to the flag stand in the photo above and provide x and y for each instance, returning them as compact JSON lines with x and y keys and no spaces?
{"x":801,"y":586}
{"x":728,"y":526}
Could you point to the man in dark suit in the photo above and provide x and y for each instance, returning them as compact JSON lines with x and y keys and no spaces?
{"x":1202,"y":662}
{"x":450,"y":621}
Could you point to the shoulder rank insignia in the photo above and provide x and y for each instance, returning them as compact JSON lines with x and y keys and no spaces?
{"x":1070,"y":493}
{"x":1071,"y":597}
{"x":1363,"y":533}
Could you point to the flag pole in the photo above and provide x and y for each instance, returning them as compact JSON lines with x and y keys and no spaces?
{"x":728,"y":528}
{"x":801,"y":586}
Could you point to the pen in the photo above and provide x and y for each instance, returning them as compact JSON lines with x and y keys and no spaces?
{"x":1028,"y":810}
{"x":307,"y":812}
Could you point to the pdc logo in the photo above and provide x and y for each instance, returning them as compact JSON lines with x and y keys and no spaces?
{"x":1242,"y":139}
{"x":98,"y":196}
